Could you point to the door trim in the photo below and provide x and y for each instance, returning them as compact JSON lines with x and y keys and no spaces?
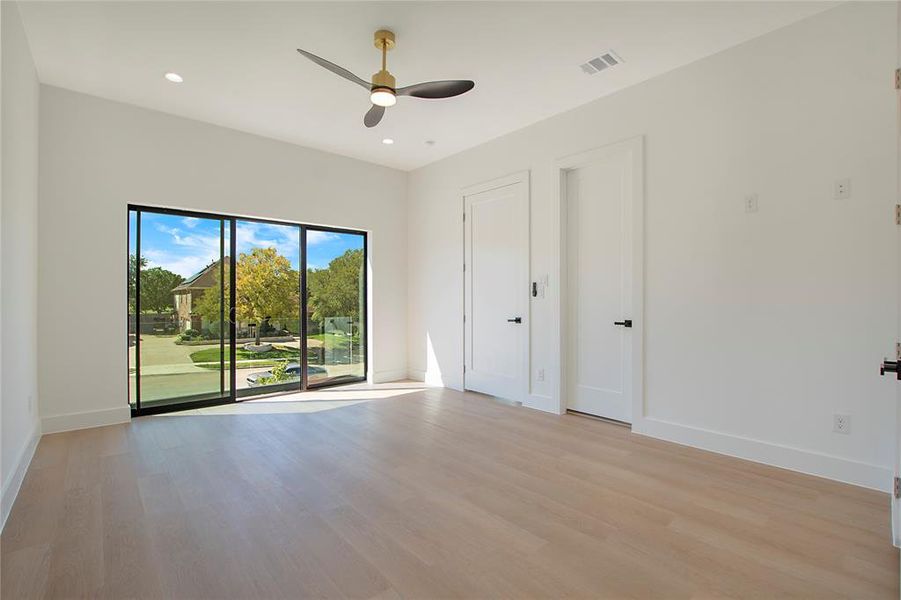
{"x":522,"y":177}
{"x":635,"y":146}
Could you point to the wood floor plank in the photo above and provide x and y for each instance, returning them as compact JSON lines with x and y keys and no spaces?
{"x":410,"y":492}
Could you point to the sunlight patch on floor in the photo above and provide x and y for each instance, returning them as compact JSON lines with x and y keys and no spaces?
{"x":265,"y":408}
{"x":339,"y":395}
{"x":302,"y":402}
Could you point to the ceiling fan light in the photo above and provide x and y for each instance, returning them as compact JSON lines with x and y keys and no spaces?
{"x":383,"y":97}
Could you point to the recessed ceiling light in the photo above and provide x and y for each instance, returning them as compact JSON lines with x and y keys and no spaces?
{"x":387,"y":141}
{"x":174,"y":77}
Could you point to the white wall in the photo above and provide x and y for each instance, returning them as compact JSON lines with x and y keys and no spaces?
{"x":759,"y":327}
{"x":19,"y":426}
{"x":97,"y":156}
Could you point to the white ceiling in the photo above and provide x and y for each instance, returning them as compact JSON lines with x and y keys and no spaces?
{"x":241,"y":69}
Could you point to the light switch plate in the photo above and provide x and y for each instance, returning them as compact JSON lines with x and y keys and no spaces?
{"x":751,"y":204}
{"x":843,"y":189}
{"x":841,"y":423}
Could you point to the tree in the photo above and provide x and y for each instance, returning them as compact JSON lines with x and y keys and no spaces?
{"x":156,"y":289}
{"x":266,"y":287}
{"x":133,"y":265}
{"x":335,"y":291}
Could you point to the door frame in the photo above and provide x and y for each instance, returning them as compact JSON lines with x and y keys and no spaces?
{"x":635,"y":146}
{"x":232,"y":396}
{"x":895,"y":500}
{"x":522,"y":177}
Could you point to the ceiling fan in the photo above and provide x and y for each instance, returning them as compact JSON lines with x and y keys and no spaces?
{"x":383,"y":90}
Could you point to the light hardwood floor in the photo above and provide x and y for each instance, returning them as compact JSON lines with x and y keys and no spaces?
{"x":426,"y":494}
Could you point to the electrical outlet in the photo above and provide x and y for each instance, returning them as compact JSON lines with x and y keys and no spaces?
{"x":751,"y":203}
{"x":841,"y":423}
{"x":843,"y":189}
{"x":540,"y":374}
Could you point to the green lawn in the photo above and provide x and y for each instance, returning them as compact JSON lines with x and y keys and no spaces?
{"x":330,"y":340}
{"x":245,"y":358}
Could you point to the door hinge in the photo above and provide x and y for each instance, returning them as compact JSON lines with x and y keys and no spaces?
{"x":464,"y":267}
{"x":464,"y":217}
{"x":898,"y":351}
{"x":897,"y":487}
{"x":898,"y":79}
{"x":464,"y":368}
{"x":898,"y":214}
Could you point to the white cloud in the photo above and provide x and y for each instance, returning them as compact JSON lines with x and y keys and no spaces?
{"x":186,"y":252}
{"x":182,"y":265}
{"x":318,"y":237}
{"x":209,"y":243}
{"x":285,"y":239}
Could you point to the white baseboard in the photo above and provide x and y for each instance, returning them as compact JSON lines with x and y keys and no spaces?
{"x":430,"y":379}
{"x":388,"y":376}
{"x":12,"y":485}
{"x":543,"y":403}
{"x":83,"y":420}
{"x":805,"y":461}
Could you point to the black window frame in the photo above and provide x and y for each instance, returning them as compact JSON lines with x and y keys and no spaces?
{"x":233,"y":395}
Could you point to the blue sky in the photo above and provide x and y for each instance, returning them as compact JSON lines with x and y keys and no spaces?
{"x":185,"y":245}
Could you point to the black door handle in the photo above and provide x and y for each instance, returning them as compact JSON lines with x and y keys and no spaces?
{"x":891,"y":367}
{"x":515,"y":320}
{"x":626,"y":323}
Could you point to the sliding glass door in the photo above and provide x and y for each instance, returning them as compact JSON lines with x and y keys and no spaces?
{"x":219,"y":308}
{"x":336,"y":306}
{"x":268,"y":304}
{"x":179,"y":286}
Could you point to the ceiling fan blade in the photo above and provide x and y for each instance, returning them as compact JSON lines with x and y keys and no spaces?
{"x":437,"y":89}
{"x":374,"y":115}
{"x":341,"y":71}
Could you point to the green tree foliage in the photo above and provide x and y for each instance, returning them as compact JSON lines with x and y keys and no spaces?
{"x":279,"y":374}
{"x":335,"y":291}
{"x":266,"y":287}
{"x":156,"y":289}
{"x":133,"y":265}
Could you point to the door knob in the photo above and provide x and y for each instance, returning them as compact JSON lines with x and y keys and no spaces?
{"x":515,"y":320}
{"x":626,"y":323}
{"x":891,"y":367}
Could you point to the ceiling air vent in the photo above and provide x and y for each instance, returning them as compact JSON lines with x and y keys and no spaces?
{"x":606,"y":60}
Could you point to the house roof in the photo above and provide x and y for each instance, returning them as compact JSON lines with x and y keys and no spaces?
{"x":203,"y":279}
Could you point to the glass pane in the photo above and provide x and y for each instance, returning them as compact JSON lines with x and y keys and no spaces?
{"x":182,"y":331}
{"x":132,"y":321}
{"x":225,"y":330}
{"x":335,"y":307}
{"x":267,"y":304}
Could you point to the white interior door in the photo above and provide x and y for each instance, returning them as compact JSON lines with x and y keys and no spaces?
{"x":496,"y":296}
{"x":598,"y":362}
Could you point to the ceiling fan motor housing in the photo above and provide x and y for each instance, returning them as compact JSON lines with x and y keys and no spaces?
{"x":383,"y":79}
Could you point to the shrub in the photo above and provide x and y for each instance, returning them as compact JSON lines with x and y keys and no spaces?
{"x":187,"y":335}
{"x":279,"y":374}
